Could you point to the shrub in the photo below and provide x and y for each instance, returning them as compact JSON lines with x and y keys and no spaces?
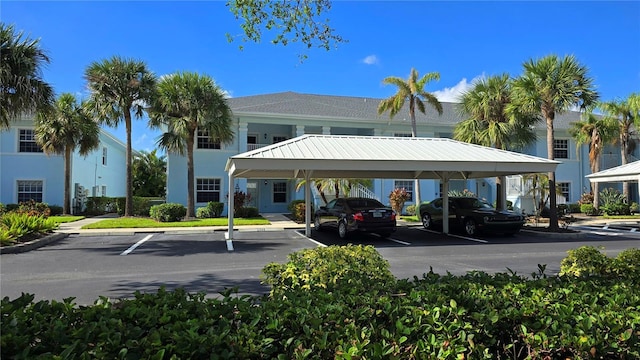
{"x":411,"y":210}
{"x":170,"y":212}
{"x":101,"y":205}
{"x":141,"y":205}
{"x":16,"y":225}
{"x":297,"y":209}
{"x":56,"y":210}
{"x":574,"y":208}
{"x":11,"y":207}
{"x":33,"y":208}
{"x":397,"y":198}
{"x":627,"y":264}
{"x":634,"y":208}
{"x":584,"y":261}
{"x":203,"y":213}
{"x":330,"y":269}
{"x":2,"y":209}
{"x":588,"y":209}
{"x":586,"y":198}
{"x":247,"y":212}
{"x":212,"y":210}
{"x":619,"y":208}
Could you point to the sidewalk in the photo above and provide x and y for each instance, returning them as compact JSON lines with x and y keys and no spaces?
{"x":278,"y":222}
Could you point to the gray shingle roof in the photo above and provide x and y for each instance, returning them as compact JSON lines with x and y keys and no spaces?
{"x":292,"y":104}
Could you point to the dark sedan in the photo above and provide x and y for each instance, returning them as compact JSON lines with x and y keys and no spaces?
{"x":471,"y":214}
{"x":349,"y":215}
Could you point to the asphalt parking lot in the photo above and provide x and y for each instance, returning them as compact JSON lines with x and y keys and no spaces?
{"x":86,"y":267}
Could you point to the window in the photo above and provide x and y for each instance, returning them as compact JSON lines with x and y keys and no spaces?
{"x":203,"y":141}
{"x":104,"y":190}
{"x":407,"y":185}
{"x":560,"y":149}
{"x":403,"y":134}
{"x":27,"y":142}
{"x":278,"y":138}
{"x":563,"y":188}
{"x":104,"y":156}
{"x":280,"y":192}
{"x":207,"y":190}
{"x":29,"y":190}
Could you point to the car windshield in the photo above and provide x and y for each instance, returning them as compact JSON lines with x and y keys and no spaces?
{"x":473,"y":203}
{"x":364,"y":203}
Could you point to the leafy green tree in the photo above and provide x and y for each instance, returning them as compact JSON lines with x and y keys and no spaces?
{"x":411,"y":91}
{"x":149,"y":174}
{"x":119,"y":89}
{"x":290,"y":21}
{"x":596,"y":132}
{"x":21,"y":85}
{"x":489,"y":121}
{"x":67,"y":128}
{"x":183,"y":104}
{"x":550,"y":86}
{"x":627,"y":115}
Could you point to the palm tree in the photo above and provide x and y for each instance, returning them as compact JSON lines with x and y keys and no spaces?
{"x":21,"y":85}
{"x":67,"y":128}
{"x":411,"y":90}
{"x":338,"y":186}
{"x":596,"y":132}
{"x":489,"y":123}
{"x":551,"y":86}
{"x":119,"y":88}
{"x":627,"y":114}
{"x":149,"y":174}
{"x":185,"y":103}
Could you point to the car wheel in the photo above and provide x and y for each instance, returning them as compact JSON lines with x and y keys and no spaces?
{"x":342,"y":229}
{"x":426,"y":221}
{"x":470,"y":227}
{"x":316,"y":223}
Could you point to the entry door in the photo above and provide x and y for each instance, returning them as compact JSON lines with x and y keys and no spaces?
{"x":252,"y":190}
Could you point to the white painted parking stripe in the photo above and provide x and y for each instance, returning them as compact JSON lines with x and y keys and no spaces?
{"x":134,"y":246}
{"x":400,"y":241}
{"x":457,"y":236}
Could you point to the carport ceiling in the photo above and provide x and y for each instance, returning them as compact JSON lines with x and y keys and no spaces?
{"x":627,"y":172}
{"x":362,"y":157}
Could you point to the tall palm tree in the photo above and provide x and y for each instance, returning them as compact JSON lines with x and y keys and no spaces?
{"x":21,"y":85}
{"x":489,"y":122}
{"x":67,"y":128}
{"x":551,"y":86}
{"x":412,"y":91}
{"x":119,"y":88}
{"x":596,"y":132}
{"x":184,"y":103}
{"x":627,"y":115}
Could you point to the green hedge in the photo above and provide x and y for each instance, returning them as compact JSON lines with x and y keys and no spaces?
{"x":331,"y":303}
{"x":170,"y":212}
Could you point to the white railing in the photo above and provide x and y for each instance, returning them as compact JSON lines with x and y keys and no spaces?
{"x":255,"y":146}
{"x":358,"y":190}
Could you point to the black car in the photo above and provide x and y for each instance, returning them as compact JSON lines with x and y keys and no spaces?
{"x":471,"y":214}
{"x":356,"y":214}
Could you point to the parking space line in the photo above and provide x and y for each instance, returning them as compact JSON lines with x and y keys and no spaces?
{"x":134,"y":246}
{"x":457,"y":236}
{"x":399,"y":241}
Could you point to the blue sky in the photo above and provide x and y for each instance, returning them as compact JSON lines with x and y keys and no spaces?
{"x":461,"y":40}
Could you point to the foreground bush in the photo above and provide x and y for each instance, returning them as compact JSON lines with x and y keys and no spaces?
{"x":588,"y":261}
{"x":212,"y":210}
{"x":356,"y":316}
{"x":170,"y":212}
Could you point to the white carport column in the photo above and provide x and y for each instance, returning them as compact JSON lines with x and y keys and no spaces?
{"x":307,"y":203}
{"x":229,"y":233}
{"x":445,"y":204}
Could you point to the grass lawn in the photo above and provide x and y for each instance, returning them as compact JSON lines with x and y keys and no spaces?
{"x":134,"y":222}
{"x":408,"y":218}
{"x":65,"y":219}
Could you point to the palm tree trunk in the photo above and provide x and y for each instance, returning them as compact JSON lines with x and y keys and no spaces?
{"x":190,"y":177}
{"x":66,"y":204}
{"x":128,"y":207}
{"x":414,"y":133}
{"x":625,"y":160}
{"x":553,"y":211}
{"x":499,"y":193}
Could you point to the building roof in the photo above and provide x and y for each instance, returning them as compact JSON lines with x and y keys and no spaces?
{"x":342,"y":156}
{"x":292,"y":104}
{"x":627,"y":172}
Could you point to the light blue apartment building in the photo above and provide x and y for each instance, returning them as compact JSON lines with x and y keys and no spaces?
{"x":262,"y":120}
{"x":27,"y":173}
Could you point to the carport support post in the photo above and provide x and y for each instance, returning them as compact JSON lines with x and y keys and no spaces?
{"x":307,"y":204}
{"x":229,"y":234}
{"x":445,"y":205}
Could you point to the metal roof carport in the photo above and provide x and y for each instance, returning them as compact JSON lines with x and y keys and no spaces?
{"x":371,"y":157}
{"x":622,"y":173}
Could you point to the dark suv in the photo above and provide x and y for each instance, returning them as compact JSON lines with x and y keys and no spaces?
{"x":471,"y":214}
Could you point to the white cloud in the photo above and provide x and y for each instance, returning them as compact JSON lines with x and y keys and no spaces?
{"x":371,"y":60}
{"x":453,"y":94}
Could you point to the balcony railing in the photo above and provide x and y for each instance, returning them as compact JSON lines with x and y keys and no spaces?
{"x":255,"y":146}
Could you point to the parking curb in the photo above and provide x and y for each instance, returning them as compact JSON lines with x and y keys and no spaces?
{"x":32,"y":245}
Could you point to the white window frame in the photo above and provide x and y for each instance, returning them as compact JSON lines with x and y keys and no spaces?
{"x":202,"y":136}
{"x":275,"y":190}
{"x":104,"y":156}
{"x":559,"y":147}
{"x":17,"y":193}
{"x":407,"y":185}
{"x":567,"y":194}
{"x":277,"y":136}
{"x":212,"y":190}
{"x":403,"y":134}
{"x":30,"y":141}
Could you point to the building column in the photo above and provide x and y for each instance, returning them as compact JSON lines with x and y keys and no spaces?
{"x":243,"y":129}
{"x":326,"y":130}
{"x":299,"y":130}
